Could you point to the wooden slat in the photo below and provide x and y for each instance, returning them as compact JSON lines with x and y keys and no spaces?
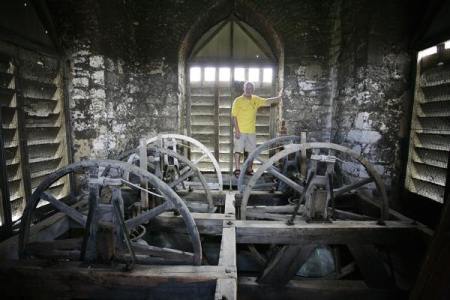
{"x":371,"y":266}
{"x":432,"y":282}
{"x":286,"y":263}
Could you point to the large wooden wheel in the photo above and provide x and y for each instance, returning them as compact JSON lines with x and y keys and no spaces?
{"x":188,"y":170}
{"x":271,"y":145}
{"x":281,"y":262}
{"x":190,"y":145}
{"x":300,"y":187}
{"x":105,"y":219}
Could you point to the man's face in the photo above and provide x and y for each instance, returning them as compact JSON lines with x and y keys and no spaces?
{"x":248,"y":89}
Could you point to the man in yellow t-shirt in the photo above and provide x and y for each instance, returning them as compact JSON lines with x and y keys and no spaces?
{"x":243,"y":112}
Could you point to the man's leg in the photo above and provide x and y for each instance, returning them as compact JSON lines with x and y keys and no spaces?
{"x":237,"y":160}
{"x":250,"y":146}
{"x":238,"y":149}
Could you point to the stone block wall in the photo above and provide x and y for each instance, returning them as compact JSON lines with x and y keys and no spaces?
{"x":113,"y":104}
{"x":346,"y":69}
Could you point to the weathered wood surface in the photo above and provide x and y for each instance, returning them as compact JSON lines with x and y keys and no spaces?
{"x":115,"y":275}
{"x":286,"y":263}
{"x":68,"y":248}
{"x":249,"y":289}
{"x":207,"y":223}
{"x":427,"y":233}
{"x":143,"y":165}
{"x":338,"y":232}
{"x":227,"y":257}
{"x":62,"y":207}
{"x":199,"y":195}
{"x":166,"y":253}
{"x":230,"y":208}
{"x":371,"y":266}
{"x":66,"y":280}
{"x":227,"y":288}
{"x":46,"y":230}
{"x":434,"y":276}
{"x":278,"y":232}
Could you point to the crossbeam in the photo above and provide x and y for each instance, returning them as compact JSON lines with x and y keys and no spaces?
{"x":338,"y":232}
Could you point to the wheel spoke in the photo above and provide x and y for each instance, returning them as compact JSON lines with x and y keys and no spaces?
{"x":286,"y":180}
{"x":355,"y":185}
{"x":200,"y":159}
{"x":148,"y":215}
{"x":99,"y":221}
{"x":261,"y":161}
{"x":182,"y":178}
{"x":64,"y":208}
{"x":166,"y":253}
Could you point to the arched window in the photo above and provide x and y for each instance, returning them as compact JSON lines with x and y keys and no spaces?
{"x":228,"y":54}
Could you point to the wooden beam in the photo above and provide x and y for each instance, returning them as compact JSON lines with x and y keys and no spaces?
{"x":426,"y":232}
{"x":286,"y":263}
{"x":68,"y":279}
{"x":143,"y":166}
{"x":230,"y":209}
{"x":313,"y":290}
{"x":48,"y":229}
{"x":139,"y":275}
{"x":338,"y":232}
{"x":371,"y":266}
{"x":227,"y":288}
{"x":207,"y":223}
{"x":199,"y":196}
{"x":227,"y":257}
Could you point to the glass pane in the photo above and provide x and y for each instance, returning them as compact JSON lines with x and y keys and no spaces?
{"x":267,"y":75}
{"x":239,"y":74}
{"x":195,"y":74}
{"x":447,"y":44}
{"x":253,"y":74}
{"x":210,"y":74}
{"x":224,"y":74}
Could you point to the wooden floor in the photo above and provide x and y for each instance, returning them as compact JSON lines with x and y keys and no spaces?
{"x":67,"y":280}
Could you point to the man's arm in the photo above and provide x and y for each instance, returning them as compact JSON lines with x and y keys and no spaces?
{"x":275,"y":100}
{"x":237,"y":132}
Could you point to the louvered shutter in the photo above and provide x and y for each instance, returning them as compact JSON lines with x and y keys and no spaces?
{"x":430,"y":127}
{"x":33,"y":123}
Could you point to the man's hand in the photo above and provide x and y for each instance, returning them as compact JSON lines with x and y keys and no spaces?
{"x":237,"y":134}
{"x":275,"y":100}
{"x":280,"y":94}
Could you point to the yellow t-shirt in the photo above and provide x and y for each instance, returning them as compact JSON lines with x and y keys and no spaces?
{"x":244,"y":109}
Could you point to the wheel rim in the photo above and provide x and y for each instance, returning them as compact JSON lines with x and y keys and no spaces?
{"x":292,"y":148}
{"x":170,"y":196}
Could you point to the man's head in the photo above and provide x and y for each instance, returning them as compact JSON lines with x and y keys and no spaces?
{"x":249,"y":88}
